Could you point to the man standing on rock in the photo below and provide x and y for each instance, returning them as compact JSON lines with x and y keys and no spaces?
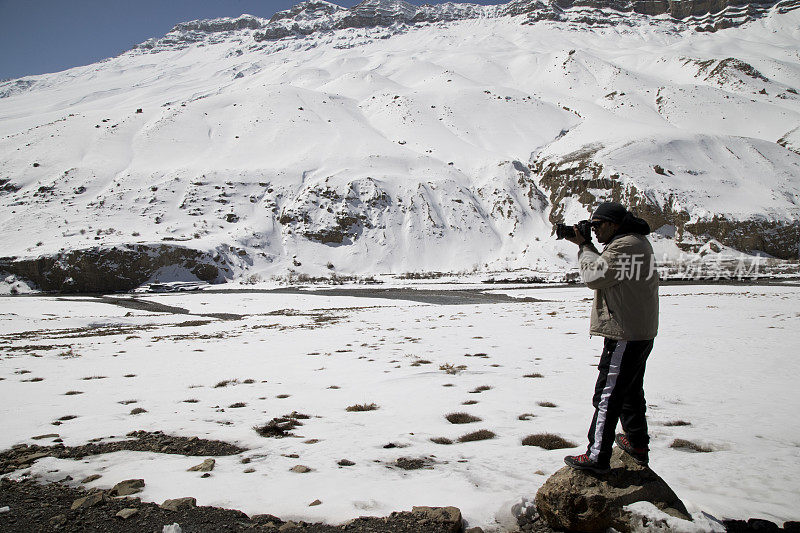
{"x":625,"y":313}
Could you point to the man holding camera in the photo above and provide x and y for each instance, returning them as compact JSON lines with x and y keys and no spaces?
{"x":625,"y":313}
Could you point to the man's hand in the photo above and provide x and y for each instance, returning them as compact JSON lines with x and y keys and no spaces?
{"x":578,"y":238}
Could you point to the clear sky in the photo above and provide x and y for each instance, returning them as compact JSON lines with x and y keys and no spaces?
{"x":39,"y":36}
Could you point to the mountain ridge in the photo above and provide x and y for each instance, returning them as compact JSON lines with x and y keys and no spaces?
{"x":314,"y":16}
{"x":436,"y":147}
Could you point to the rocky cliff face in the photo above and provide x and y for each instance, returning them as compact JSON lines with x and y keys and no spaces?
{"x":314,"y":16}
{"x":112,"y":269}
{"x":582,"y":177}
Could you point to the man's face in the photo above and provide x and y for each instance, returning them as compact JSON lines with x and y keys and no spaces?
{"x":604,"y":230}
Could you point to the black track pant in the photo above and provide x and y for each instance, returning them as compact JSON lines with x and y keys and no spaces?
{"x":619,"y":396}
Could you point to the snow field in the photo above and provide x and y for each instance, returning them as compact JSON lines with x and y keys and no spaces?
{"x":723,"y":363}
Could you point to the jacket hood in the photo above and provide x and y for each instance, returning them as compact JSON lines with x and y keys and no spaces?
{"x":633,"y":224}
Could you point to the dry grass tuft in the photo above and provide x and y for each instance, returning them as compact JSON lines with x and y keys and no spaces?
{"x":546,"y":404}
{"x":441,"y":440}
{"x":138,"y":411}
{"x":677,"y":423}
{"x":191,"y":400}
{"x":411,"y":463}
{"x":533,"y":375}
{"x":548,"y":441}
{"x":68,"y":417}
{"x":226,"y":382}
{"x":469,"y":402}
{"x":478,"y":390}
{"x":362,"y":407}
{"x":526,"y":416}
{"x":461,"y":418}
{"x":94,"y":377}
{"x":482,"y":434}
{"x":72,"y":392}
{"x":683,"y":444}
{"x":237,"y":405}
{"x":450,"y":368}
{"x":282,"y":426}
{"x":282,"y":396}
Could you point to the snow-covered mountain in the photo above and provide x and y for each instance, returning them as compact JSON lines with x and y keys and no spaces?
{"x":395,"y":138}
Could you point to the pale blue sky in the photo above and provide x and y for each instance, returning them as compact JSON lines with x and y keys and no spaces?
{"x":39,"y":36}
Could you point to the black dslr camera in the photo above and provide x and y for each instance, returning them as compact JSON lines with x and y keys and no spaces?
{"x":584,"y":228}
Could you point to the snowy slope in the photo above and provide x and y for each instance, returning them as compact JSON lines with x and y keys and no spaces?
{"x":448,"y":146}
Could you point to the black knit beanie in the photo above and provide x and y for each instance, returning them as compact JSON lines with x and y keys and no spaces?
{"x":611,"y":211}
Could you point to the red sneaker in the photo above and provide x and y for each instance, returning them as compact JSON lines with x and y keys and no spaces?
{"x":583,"y":462}
{"x":638,"y":454}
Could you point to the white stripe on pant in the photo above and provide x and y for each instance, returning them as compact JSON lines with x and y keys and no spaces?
{"x":608,"y":390}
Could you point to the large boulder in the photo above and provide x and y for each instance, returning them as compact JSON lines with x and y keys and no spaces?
{"x":577,"y":500}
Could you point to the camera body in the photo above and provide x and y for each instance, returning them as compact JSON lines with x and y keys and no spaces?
{"x":564,"y":231}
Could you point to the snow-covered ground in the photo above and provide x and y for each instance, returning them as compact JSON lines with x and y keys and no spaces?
{"x":725,"y":362}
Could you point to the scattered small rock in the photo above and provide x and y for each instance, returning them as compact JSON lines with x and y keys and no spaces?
{"x":448,"y":515}
{"x":315,"y":503}
{"x":89,"y":479}
{"x":127,"y":513}
{"x":29,"y":458}
{"x":179,"y":504}
{"x":345,"y":462}
{"x":87,"y":501}
{"x":205,"y":466}
{"x":46,"y":436}
{"x":127,"y":487}
{"x":300,"y":469}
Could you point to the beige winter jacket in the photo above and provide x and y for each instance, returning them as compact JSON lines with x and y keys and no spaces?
{"x":625,"y":283}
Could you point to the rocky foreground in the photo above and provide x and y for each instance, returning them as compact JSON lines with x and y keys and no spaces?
{"x":569,"y":501}
{"x":35,"y":507}
{"x":30,"y":505}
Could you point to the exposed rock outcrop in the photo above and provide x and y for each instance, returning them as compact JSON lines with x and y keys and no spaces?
{"x":109,"y":269}
{"x":575,"y":500}
{"x":578,"y":176}
{"x":315,"y":16}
